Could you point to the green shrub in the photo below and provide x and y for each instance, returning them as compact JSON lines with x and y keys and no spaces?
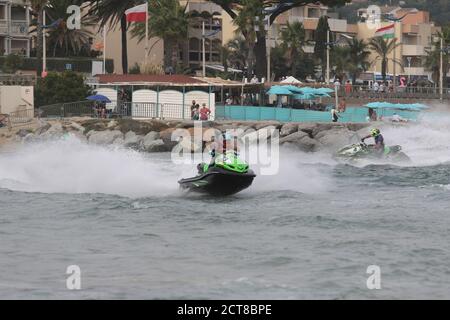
{"x":67,"y":86}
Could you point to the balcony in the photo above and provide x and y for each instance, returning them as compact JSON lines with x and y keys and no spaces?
{"x":19,"y":28}
{"x":16,"y":28}
{"x":416,"y":71}
{"x":413,"y":50}
{"x":411,"y":29}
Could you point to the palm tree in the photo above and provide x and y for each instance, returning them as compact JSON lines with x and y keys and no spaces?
{"x":383,"y":48}
{"x":110,"y":13}
{"x":37,"y":7}
{"x":358,"y":55}
{"x":341,"y":61}
{"x":293,"y":41}
{"x":433,"y":59}
{"x":169,"y":21}
{"x":237,"y":57}
{"x":68,"y":42}
{"x":245,"y":21}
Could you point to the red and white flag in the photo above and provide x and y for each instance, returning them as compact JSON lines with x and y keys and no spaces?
{"x":138,"y":13}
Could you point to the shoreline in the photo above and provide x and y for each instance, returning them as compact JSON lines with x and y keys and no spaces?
{"x":156,"y":135}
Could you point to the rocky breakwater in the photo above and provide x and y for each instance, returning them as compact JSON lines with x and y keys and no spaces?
{"x":158,"y":135}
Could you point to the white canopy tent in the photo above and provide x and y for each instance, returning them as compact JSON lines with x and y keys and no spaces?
{"x":291,"y":80}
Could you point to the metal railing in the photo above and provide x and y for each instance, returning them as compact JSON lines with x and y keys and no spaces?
{"x":163,"y":111}
{"x":18,"y":118}
{"x":138,"y":110}
{"x":67,"y":110}
{"x":410,"y":92}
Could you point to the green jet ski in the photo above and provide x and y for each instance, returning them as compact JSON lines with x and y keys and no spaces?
{"x":228,"y":175}
{"x":362,"y":151}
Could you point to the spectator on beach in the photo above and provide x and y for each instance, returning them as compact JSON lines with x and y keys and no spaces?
{"x":204,"y":113}
{"x":195,"y":112}
{"x":348,"y":87}
{"x":376,"y":86}
{"x":373,"y":115}
{"x":334,"y":115}
{"x":229,"y":101}
{"x":342,"y":105}
{"x":398,"y":118}
{"x":2,"y":120}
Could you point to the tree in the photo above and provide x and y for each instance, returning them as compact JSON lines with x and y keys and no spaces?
{"x":63,"y":41}
{"x":247,"y":25}
{"x":383,"y":48}
{"x":260,"y":49}
{"x":237,"y":57}
{"x":293,"y":41}
{"x":433,"y":59}
{"x":341,"y":61}
{"x":59,"y":87}
{"x":169,"y":21}
{"x":37,"y":6}
{"x":13,"y":62}
{"x":359,"y":58}
{"x":320,"y":38}
{"x":110,"y":13}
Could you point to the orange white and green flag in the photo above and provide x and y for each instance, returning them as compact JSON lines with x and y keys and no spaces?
{"x":386,"y":32}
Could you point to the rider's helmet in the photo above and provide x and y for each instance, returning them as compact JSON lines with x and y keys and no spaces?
{"x":375,"y":132}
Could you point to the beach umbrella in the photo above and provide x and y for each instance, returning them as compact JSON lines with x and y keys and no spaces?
{"x":306,"y":96}
{"x":294,"y":89}
{"x":397,"y":106}
{"x":279,"y":91}
{"x":99,"y":98}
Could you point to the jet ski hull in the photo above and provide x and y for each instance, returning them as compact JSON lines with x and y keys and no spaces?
{"x":218,"y":182}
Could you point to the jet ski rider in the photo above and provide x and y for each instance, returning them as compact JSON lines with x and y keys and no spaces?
{"x":379,"y":146}
{"x":217,"y":147}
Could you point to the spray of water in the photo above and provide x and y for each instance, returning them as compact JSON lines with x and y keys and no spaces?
{"x":72,"y":166}
{"x":426,"y":142}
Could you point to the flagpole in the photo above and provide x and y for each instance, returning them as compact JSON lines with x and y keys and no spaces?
{"x":203,"y":49}
{"x":146,"y":36}
{"x":44,"y":43}
{"x":104,"y":49}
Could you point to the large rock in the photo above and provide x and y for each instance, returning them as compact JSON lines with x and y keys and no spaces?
{"x":56,"y":131}
{"x":148,"y":140}
{"x":336,"y":138}
{"x":142,"y":127}
{"x":300,"y":140}
{"x":264,"y":124}
{"x":166,"y":136}
{"x":44,"y":127}
{"x":22,"y":133}
{"x":294,"y":137}
{"x":104,"y":137}
{"x":77,"y":127}
{"x":132,"y":140}
{"x":156,"y":146}
{"x":288,"y":129}
{"x":308,"y":128}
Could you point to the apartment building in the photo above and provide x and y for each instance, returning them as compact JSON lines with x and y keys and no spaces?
{"x":14,"y":26}
{"x":309,"y":16}
{"x":416,"y":33}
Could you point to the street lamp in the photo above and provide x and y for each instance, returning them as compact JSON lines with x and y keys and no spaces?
{"x":204,"y":36}
{"x":441,"y":68}
{"x":329,"y":45}
{"x":393,"y":18}
{"x":268,"y":14}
